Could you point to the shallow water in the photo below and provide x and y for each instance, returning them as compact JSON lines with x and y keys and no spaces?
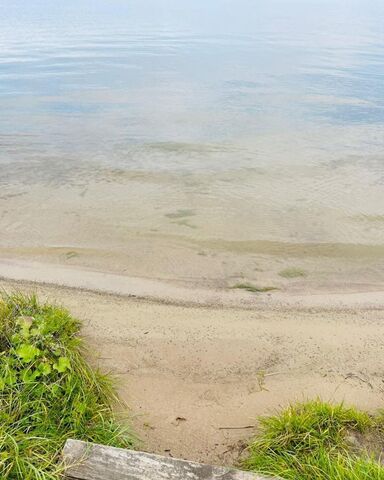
{"x":213,"y":121}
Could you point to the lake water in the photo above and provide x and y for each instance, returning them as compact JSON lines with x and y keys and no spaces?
{"x":217,"y":121}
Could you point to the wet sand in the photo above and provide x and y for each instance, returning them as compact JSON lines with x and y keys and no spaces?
{"x":197,"y":376}
{"x":176,"y":270}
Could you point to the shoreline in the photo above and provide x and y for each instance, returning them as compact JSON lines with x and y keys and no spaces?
{"x":312,"y":295}
{"x":190,"y":373}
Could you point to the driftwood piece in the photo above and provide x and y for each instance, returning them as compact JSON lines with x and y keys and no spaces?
{"x":88,"y":461}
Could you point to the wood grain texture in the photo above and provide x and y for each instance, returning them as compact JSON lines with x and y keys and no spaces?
{"x":87,"y":461}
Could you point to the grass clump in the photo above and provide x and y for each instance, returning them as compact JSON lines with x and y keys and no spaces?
{"x":253,"y":288}
{"x":292,"y":272}
{"x":310,"y":442}
{"x":48,"y":392}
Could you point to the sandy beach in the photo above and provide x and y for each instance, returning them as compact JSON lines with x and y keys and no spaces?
{"x":197,"y":376}
{"x":201,"y":185}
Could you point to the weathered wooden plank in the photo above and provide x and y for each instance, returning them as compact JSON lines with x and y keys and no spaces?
{"x":88,"y":461}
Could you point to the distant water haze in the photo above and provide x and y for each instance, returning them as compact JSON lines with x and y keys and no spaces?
{"x":234,"y":123}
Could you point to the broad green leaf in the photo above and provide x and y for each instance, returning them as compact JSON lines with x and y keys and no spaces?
{"x":29,"y":375}
{"x":16,"y":339}
{"x":25,"y":324}
{"x":45,"y":368}
{"x":27,"y":352}
{"x":80,"y":407}
{"x":62,"y":364}
{"x":55,"y":389}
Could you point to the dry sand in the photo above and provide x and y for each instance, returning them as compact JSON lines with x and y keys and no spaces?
{"x":195,"y":375}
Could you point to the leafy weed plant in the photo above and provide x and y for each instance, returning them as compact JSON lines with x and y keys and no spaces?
{"x":48,"y":392}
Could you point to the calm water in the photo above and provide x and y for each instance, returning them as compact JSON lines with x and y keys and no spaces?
{"x":215,"y":119}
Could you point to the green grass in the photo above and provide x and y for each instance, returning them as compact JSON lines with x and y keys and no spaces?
{"x":48,"y":392}
{"x":292,"y":272}
{"x":310,"y":442}
{"x":253,"y":288}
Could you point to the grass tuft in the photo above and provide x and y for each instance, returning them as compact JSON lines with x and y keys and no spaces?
{"x":48,"y":392}
{"x":310,"y":442}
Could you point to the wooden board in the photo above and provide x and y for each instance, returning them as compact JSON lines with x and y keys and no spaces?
{"x":88,"y":461}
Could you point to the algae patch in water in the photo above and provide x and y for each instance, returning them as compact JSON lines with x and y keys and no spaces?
{"x":181,"y":216}
{"x":292,"y":272}
{"x":71,"y":254}
{"x":181,"y":213}
{"x":253,"y":288}
{"x":184,"y":223}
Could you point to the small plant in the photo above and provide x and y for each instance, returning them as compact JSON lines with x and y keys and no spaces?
{"x":310,"y":442}
{"x":48,"y":392}
{"x":253,"y":288}
{"x":292,"y":272}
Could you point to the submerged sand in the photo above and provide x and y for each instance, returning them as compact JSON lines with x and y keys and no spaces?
{"x":196,"y":377}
